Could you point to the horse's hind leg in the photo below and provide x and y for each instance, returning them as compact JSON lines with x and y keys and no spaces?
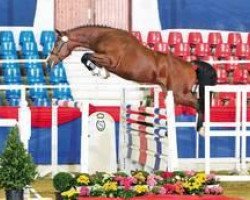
{"x":190,"y":99}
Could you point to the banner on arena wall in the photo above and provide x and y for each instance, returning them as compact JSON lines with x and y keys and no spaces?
{"x":102,"y":142}
{"x":27,"y":13}
{"x":227,"y":15}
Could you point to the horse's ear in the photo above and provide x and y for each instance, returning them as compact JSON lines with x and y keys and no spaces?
{"x":58,"y":33}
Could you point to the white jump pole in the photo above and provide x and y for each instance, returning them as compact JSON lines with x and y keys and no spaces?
{"x":24,"y":119}
{"x":54,"y":138}
{"x":85,"y":134}
{"x":172,"y":157}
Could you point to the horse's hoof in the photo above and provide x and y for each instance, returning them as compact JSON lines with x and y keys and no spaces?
{"x":104,"y":73}
{"x":201,"y":131}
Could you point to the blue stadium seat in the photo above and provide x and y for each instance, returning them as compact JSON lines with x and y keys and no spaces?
{"x":62,"y":93}
{"x":31,"y":56}
{"x":47,"y":48}
{"x":38,"y":93}
{"x":34,"y":73}
{"x":13,"y":94}
{"x":11,"y":73}
{"x":41,"y":102}
{"x":29,"y":48}
{"x":47,"y":37}
{"x":8,"y":55}
{"x":7,"y":48}
{"x":6,"y":36}
{"x":26,"y":36}
{"x":58,"y":74}
{"x":13,"y":102}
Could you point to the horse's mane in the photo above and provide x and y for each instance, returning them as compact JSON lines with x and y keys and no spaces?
{"x":94,"y":26}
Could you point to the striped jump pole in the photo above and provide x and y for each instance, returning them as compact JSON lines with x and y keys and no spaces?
{"x":151,"y":134}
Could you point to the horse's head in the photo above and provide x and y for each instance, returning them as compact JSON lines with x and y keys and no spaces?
{"x":60,"y":50}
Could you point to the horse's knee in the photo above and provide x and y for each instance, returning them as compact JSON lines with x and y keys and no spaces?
{"x":85,"y":58}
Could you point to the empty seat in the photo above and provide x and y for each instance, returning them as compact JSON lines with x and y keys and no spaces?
{"x":214,"y":38}
{"x":26,"y":36}
{"x":11,"y":73}
{"x":13,"y":94}
{"x":189,"y":58}
{"x":161,"y":47}
{"x":202,"y":50}
{"x":222,"y":51}
{"x":248,"y":38}
{"x":194,"y":38}
{"x":174,"y":38}
{"x":35,"y":73}
{"x":153,"y":37}
{"x":137,"y":35}
{"x":231,"y":66}
{"x":47,"y":36}
{"x":41,"y":102}
{"x":38,"y":92}
{"x":29,"y":48}
{"x":221,"y":76}
{"x":47,"y":48}
{"x":13,"y":102}
{"x":6,"y":36}
{"x":242,"y":51}
{"x":7,"y":48}
{"x":240,"y":75}
{"x":181,"y":50}
{"x":233,"y":39}
{"x":58,"y":74}
{"x":62,"y":93}
{"x":9,"y":56}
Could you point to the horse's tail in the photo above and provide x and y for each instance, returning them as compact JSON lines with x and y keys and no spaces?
{"x":206,"y":75}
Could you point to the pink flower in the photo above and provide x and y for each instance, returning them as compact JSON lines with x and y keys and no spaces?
{"x":190,"y":173}
{"x":118,"y":179}
{"x":162,"y":190}
{"x":127,"y":182}
{"x":84,"y":191}
{"x":151,"y":180}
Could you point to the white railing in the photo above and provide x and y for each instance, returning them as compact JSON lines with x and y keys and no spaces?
{"x":239,"y":126}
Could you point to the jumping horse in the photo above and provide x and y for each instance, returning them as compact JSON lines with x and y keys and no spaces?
{"x":119,"y":52}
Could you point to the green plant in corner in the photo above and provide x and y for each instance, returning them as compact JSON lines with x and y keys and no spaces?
{"x":63,"y":181}
{"x":16,"y":165}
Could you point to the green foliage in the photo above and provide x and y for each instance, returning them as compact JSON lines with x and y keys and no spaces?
{"x":16,"y":166}
{"x":63,"y":181}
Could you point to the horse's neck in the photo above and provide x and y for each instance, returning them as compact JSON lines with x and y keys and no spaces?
{"x":86,"y":35}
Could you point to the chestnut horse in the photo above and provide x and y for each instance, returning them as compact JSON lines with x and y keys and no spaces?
{"x":119,"y":52}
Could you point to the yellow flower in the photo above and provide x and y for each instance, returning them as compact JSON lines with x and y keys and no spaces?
{"x":201,"y":177}
{"x":70,"y":193}
{"x":140,"y":189}
{"x":83,"y":179}
{"x":139,"y":176}
{"x":110,"y":186}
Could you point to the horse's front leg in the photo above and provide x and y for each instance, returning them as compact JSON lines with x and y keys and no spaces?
{"x":95,"y":64}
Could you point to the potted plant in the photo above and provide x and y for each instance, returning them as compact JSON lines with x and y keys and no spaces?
{"x":16,"y":167}
{"x":62,"y":182}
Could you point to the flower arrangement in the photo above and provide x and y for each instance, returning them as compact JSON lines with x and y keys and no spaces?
{"x":140,"y":183}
